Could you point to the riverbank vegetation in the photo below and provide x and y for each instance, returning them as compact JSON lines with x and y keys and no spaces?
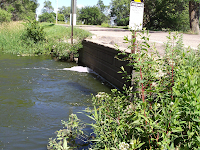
{"x":32,"y":38}
{"x":162,"y":111}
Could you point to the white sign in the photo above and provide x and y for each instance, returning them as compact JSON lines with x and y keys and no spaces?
{"x":136,"y":15}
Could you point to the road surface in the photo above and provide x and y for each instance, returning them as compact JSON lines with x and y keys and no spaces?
{"x":112,"y":36}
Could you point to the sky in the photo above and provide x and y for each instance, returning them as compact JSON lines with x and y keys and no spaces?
{"x":80,"y":3}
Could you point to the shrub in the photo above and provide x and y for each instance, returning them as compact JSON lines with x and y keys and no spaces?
{"x":73,"y":130}
{"x":4,"y":16}
{"x":46,"y":17}
{"x":105,"y":25}
{"x":164,"y":112}
{"x":34,"y":32}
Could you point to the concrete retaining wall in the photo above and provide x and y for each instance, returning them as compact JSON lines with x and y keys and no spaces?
{"x":101,"y":58}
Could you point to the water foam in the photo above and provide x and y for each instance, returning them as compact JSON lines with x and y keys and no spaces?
{"x":80,"y":69}
{"x":75,"y":68}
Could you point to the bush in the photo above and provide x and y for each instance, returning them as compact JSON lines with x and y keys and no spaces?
{"x":164,"y":111}
{"x":71,"y":132}
{"x":4,"y":16}
{"x":34,"y":32}
{"x":46,"y":17}
{"x":105,"y":25}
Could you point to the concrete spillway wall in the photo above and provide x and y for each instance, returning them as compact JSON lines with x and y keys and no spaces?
{"x":101,"y":58}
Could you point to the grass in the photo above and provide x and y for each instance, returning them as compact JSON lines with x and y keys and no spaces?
{"x":56,"y":36}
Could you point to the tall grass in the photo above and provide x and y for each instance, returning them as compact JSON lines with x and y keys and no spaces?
{"x":10,"y":37}
{"x":57,"y":39}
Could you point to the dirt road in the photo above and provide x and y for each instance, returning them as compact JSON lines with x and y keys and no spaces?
{"x":112,"y":36}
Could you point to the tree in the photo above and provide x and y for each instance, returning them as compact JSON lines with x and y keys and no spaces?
{"x":61,"y":17}
{"x":65,"y":11}
{"x":20,"y":9}
{"x":46,"y":17}
{"x":47,"y":7}
{"x":4,"y":16}
{"x":90,"y":15}
{"x":47,"y":13}
{"x":121,"y":10}
{"x":104,"y":9}
{"x":101,"y":5}
{"x":194,"y":15}
{"x":168,"y":14}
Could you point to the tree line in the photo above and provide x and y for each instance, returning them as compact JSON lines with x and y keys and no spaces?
{"x":158,"y":14}
{"x":16,"y":10}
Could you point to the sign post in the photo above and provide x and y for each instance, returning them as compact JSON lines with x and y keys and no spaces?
{"x":136,"y":19}
{"x":135,"y":23}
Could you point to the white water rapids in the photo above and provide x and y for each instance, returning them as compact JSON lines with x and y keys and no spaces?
{"x":75,"y":68}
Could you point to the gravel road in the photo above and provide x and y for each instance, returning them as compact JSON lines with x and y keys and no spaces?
{"x":112,"y":36}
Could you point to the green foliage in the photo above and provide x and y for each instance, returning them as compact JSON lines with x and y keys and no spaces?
{"x":163,"y":111}
{"x":65,"y":11}
{"x":46,"y":17}
{"x":61,"y":17}
{"x":121,"y":10}
{"x":47,"y":13}
{"x":73,"y":130}
{"x":34,"y":32}
{"x":91,"y":15}
{"x":4,"y":16}
{"x":48,"y":8}
{"x":169,"y":14}
{"x":101,"y":5}
{"x":105,"y":25}
{"x":63,"y":48}
{"x":56,"y":40}
{"x":20,"y":9}
{"x":158,"y":14}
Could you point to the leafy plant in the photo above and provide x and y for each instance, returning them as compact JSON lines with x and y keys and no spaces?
{"x":67,"y":138}
{"x":34,"y":32}
{"x":4,"y":16}
{"x":161,"y":110}
{"x":40,"y":39}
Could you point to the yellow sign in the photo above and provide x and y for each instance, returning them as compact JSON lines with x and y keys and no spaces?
{"x":139,"y":1}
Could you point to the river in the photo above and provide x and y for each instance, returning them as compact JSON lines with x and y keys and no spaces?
{"x":36,"y":93}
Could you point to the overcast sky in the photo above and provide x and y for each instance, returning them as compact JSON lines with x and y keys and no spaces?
{"x":80,"y":3}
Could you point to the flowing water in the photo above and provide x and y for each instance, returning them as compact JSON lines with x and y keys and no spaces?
{"x":36,"y":93}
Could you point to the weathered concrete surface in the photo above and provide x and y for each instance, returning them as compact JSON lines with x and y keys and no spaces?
{"x":112,"y":36}
{"x":101,"y":59}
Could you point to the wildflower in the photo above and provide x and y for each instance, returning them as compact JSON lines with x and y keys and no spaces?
{"x":154,"y":84}
{"x":172,"y":103}
{"x":158,"y":105}
{"x":123,"y":146}
{"x":100,"y":94}
{"x":160,"y":74}
{"x":171,"y":62}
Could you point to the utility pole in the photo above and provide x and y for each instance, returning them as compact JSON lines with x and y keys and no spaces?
{"x":72,"y":20}
{"x":57,"y":12}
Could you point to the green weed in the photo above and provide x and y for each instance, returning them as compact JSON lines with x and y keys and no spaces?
{"x":161,"y":110}
{"x":40,"y":39}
